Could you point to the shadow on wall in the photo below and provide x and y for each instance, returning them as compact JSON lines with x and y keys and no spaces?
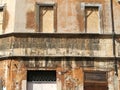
{"x":80,"y":18}
{"x":5,"y":19}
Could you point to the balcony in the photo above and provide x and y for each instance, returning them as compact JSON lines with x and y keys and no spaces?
{"x":56,"y":45}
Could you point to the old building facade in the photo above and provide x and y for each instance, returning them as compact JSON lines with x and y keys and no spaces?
{"x":59,"y":45}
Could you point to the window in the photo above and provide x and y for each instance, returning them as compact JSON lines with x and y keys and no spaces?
{"x":95,"y":79}
{"x":1,"y":20}
{"x":92,"y":24}
{"x":99,"y":76}
{"x":92,"y":17}
{"x":46,"y":18}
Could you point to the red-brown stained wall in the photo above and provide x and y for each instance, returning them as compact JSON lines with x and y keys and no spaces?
{"x":5,"y":19}
{"x":14,"y":74}
{"x":31,"y":20}
{"x":14,"y":71}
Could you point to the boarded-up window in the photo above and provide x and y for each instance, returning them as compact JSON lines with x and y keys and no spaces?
{"x":92,"y":23}
{"x":95,"y":80}
{"x":46,"y":18}
{"x":1,"y":19}
{"x":95,"y":76}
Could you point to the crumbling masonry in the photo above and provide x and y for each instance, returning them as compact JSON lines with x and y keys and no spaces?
{"x":59,"y":45}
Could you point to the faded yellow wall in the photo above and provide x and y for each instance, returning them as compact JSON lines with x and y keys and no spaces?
{"x":48,"y":21}
{"x":70,"y":18}
{"x":92,"y":20}
{"x":9,"y":16}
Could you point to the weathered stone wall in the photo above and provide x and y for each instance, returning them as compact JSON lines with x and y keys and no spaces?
{"x":70,"y":71}
{"x":20,"y":17}
{"x":9,"y":16}
{"x":116,"y":7}
{"x":80,"y":45}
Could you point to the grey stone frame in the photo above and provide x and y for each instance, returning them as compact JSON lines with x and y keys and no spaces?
{"x":37,"y":7}
{"x":83,"y":5}
{"x":2,"y":8}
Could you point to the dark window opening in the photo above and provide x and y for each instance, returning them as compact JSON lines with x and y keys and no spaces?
{"x":41,"y":75}
{"x":95,"y":76}
{"x":1,"y":20}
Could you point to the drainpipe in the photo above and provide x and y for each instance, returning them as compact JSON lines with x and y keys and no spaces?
{"x":113,"y":38}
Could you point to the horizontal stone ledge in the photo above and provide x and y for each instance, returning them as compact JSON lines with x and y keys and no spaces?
{"x":38,"y":34}
{"x":57,"y":57}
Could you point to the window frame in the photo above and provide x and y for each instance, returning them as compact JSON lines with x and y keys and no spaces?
{"x":2,"y":8}
{"x":54,"y":5}
{"x":91,"y":78}
{"x":92,"y":5}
